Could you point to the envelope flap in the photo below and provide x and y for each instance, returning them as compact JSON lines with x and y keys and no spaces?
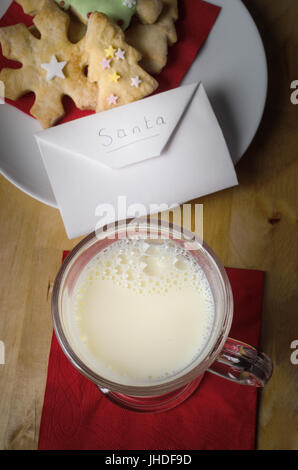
{"x":125,"y":135}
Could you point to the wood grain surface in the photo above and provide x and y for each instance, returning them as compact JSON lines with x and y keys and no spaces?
{"x":251,"y":226}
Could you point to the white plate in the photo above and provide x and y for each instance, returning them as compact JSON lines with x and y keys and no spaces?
{"x":231,"y":64}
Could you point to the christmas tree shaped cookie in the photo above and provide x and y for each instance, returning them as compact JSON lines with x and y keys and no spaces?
{"x":113,"y":64}
{"x":120,"y":11}
{"x":51,"y":66}
{"x":152,"y":40}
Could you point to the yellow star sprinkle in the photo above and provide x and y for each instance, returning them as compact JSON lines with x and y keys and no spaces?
{"x":114,"y":77}
{"x":110,"y":52}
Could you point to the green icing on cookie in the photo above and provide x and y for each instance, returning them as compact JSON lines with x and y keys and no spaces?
{"x":120,"y":11}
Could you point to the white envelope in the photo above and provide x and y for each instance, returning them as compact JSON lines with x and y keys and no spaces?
{"x":166,"y":149}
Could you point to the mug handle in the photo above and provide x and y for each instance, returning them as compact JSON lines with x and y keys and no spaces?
{"x":243,"y":364}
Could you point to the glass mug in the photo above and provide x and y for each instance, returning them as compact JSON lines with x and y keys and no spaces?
{"x":226,"y":357}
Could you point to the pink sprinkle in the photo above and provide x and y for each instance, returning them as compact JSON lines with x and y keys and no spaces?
{"x":112,"y":99}
{"x":106,"y":64}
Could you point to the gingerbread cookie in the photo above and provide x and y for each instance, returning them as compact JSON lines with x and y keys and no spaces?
{"x":153,"y":40}
{"x":113,"y":64}
{"x":52,"y":65}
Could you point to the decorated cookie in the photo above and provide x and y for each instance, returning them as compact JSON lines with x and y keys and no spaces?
{"x":113,"y":65}
{"x":120,"y":11}
{"x":52,"y":65}
{"x":152,"y":40}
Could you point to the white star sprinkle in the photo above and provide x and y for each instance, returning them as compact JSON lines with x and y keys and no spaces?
{"x":112,"y":99}
{"x":135,"y":81}
{"x":106,"y":63}
{"x":129,"y":3}
{"x":120,"y":54}
{"x":54,"y":68}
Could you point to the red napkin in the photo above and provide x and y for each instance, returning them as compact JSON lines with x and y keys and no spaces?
{"x":193,"y":27}
{"x":219,"y":415}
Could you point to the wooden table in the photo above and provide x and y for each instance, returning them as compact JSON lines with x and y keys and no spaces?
{"x":251,"y":226}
